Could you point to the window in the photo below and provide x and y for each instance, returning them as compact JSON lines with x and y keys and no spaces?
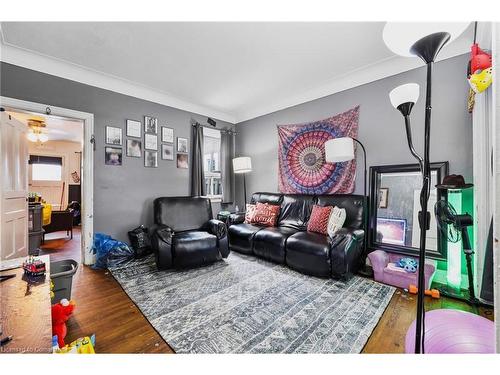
{"x":211,"y":162}
{"x":45,"y":168}
{"x":46,"y":172}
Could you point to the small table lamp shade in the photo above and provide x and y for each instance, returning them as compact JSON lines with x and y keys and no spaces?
{"x":242,"y":164}
{"x":339,"y":149}
{"x":407,"y":93}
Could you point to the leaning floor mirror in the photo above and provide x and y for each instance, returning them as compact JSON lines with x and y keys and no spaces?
{"x":394,"y":207}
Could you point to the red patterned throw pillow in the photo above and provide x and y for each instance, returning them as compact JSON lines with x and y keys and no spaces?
{"x":318,"y":222}
{"x":250,"y":213}
{"x":266,"y":214}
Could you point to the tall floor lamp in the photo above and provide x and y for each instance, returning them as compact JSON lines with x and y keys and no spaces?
{"x":342,"y":149}
{"x":424,"y":40}
{"x":243,"y":165}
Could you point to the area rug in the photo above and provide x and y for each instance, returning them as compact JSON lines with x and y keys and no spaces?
{"x":248,"y":305}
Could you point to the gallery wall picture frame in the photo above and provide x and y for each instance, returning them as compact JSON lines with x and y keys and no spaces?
{"x":150,"y":159}
{"x":182,"y":161}
{"x":133,"y":129}
{"x":167,"y":152}
{"x":167,"y":134}
{"x":151,"y":142}
{"x":384,"y":197}
{"x":134,"y":148}
{"x":182,"y":145}
{"x":113,"y":156}
{"x":150,"y":125}
{"x":114,"y":136}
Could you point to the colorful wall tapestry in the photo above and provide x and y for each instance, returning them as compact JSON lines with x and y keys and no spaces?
{"x":301,"y":154}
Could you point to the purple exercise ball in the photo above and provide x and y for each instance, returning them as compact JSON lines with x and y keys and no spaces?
{"x":453,"y":331}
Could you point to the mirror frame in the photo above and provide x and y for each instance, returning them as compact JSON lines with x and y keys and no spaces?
{"x":442,"y":169}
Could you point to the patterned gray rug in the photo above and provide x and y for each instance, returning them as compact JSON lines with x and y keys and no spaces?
{"x":247,"y":305}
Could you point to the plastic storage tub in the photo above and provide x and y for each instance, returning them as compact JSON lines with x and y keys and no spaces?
{"x":61,"y":273}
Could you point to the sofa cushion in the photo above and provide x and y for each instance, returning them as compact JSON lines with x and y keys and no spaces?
{"x":318,"y":222}
{"x":295,"y":211}
{"x":309,"y":253}
{"x":336,"y":220}
{"x":250,"y":212}
{"x":194,"y":248}
{"x":182,"y":213}
{"x":352,"y":203}
{"x":241,"y":237}
{"x":271,"y":198}
{"x":270,"y":243}
{"x":266,"y":214}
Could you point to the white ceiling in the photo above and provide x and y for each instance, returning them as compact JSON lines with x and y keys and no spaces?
{"x":57,"y":128}
{"x":231,"y":71}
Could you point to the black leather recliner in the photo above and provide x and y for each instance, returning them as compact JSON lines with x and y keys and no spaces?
{"x":185,"y":235}
{"x":289,"y":242}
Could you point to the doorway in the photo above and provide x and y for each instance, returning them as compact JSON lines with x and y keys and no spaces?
{"x":60,"y":174}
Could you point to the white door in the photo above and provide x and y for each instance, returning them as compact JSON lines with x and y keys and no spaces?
{"x":14,"y":188}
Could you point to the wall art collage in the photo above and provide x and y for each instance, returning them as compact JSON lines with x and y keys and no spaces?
{"x":135,"y":143}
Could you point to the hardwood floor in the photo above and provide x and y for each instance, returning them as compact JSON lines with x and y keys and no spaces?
{"x":105,"y":309}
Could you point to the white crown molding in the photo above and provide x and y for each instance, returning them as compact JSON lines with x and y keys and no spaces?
{"x":49,"y":65}
{"x":366,"y":74}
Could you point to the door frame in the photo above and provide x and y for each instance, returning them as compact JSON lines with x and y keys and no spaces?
{"x":87,"y":179}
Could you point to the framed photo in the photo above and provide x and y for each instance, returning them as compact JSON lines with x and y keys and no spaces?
{"x":182,"y":161}
{"x":151,"y":159}
{"x":392,"y":231}
{"x":383,"y":197}
{"x":150,"y":125}
{"x":167,"y":152}
{"x":150,"y":142}
{"x":182,"y":144}
{"x":133,"y":128}
{"x":134,"y":148}
{"x":113,"y":156}
{"x":167,"y":134}
{"x":113,"y":135}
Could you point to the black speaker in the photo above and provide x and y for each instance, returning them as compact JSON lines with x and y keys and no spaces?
{"x":211,"y":122}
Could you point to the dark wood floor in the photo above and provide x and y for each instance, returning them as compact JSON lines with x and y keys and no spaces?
{"x":105,"y":309}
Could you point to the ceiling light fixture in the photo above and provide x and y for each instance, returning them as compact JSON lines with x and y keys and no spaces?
{"x":36,"y":132}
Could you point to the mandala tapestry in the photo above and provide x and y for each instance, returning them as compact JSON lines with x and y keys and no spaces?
{"x":301,"y":154}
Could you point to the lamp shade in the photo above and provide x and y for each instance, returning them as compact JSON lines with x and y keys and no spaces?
{"x":339,"y":149}
{"x":400,"y":36}
{"x":407,"y":93}
{"x":242,"y":164}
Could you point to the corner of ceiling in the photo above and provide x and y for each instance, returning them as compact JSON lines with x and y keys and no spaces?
{"x":47,"y":64}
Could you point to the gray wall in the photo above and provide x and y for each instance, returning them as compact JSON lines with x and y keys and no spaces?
{"x":123,"y":195}
{"x":381,"y":127}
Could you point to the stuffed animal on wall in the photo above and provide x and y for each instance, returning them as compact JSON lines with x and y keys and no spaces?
{"x":60,"y":314}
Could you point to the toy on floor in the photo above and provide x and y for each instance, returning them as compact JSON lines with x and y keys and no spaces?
{"x":408,"y":264}
{"x":82,"y":345}
{"x":60,"y":314}
{"x":33,"y":266}
{"x":434,"y":293}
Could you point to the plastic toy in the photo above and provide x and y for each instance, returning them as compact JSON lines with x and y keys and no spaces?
{"x":434,"y":293}
{"x":82,"y":345}
{"x":33,"y":266}
{"x":481,"y":81}
{"x":60,"y":314}
{"x":408,"y":264}
{"x":480,"y":60}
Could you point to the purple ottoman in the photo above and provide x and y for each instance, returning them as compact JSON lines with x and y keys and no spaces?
{"x":384,"y":273}
{"x":450,"y":331}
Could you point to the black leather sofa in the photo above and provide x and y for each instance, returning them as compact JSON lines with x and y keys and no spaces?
{"x":289,"y":242}
{"x":185,"y":234}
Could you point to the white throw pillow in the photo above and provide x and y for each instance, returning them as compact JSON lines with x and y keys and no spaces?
{"x":336,"y":220}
